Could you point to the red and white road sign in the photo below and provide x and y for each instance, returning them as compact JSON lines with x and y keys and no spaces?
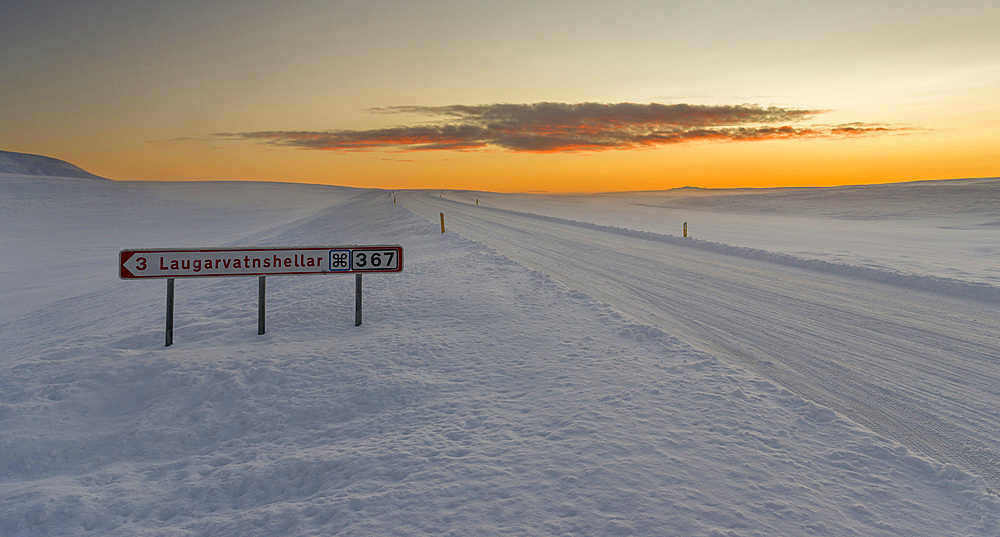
{"x":192,"y":263}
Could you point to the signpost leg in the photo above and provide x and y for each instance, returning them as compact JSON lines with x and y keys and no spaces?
{"x":261,"y":285}
{"x":170,"y":312}
{"x":357,"y":299}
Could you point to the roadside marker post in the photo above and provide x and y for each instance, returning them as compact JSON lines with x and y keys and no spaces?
{"x":260,"y":262}
{"x":442,"y":222}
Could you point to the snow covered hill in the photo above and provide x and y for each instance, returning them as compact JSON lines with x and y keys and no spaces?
{"x":480,"y":397}
{"x":28,"y":164}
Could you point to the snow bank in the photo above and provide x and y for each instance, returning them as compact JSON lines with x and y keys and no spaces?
{"x":950,"y":286}
{"x":62,"y":235}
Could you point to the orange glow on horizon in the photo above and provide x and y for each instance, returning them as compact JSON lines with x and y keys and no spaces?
{"x":759,"y":164}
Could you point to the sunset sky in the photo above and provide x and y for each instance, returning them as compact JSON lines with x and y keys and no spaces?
{"x":506,"y":96}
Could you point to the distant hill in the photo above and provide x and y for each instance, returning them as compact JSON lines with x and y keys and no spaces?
{"x":27,"y":164}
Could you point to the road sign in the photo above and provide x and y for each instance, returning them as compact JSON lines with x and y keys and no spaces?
{"x":194,"y":263}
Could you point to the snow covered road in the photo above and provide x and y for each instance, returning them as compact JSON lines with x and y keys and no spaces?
{"x":917,"y":367}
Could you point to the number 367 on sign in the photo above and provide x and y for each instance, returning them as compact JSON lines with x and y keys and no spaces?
{"x":366,"y":259}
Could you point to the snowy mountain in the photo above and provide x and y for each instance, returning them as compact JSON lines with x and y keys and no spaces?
{"x":28,"y":164}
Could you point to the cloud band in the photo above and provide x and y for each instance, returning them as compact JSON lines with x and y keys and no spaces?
{"x":563,"y":127}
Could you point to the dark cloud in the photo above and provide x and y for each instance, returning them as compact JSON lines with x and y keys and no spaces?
{"x":564,"y":127}
{"x":607,"y":115}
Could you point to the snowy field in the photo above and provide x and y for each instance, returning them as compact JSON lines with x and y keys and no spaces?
{"x":486,"y":393}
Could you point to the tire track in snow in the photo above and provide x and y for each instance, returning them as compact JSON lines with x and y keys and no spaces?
{"x":919,"y":368}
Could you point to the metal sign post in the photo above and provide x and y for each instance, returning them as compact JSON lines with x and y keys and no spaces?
{"x":261,"y":285}
{"x":357,"y":299}
{"x":260,"y":262}
{"x":170,"y":313}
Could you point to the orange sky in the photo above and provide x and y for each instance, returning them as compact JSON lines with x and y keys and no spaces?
{"x":406,"y":95}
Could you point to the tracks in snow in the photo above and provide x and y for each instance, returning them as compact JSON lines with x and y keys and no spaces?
{"x":919,"y":368}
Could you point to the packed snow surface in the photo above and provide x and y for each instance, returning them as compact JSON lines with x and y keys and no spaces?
{"x":487,"y":392}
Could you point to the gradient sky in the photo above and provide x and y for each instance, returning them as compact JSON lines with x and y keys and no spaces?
{"x":506,"y":96}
